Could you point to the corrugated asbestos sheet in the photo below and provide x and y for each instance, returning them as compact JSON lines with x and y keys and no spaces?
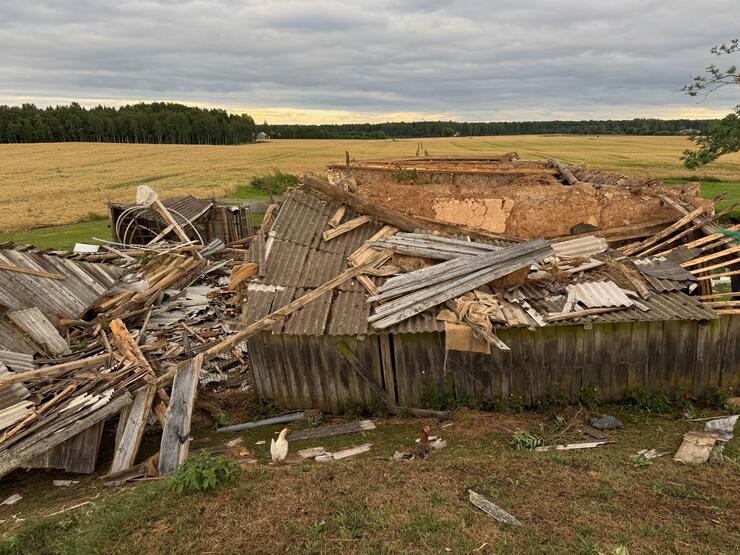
{"x":664,"y":274}
{"x":672,"y":305}
{"x":42,"y":332}
{"x":583,"y":247}
{"x":83,"y":284}
{"x":599,"y":294}
{"x":18,"y":362}
{"x":301,"y":260}
{"x":256,"y":253}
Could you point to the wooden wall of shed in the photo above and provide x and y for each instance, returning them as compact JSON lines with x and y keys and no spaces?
{"x":672,"y":356}
{"x":299,"y":371}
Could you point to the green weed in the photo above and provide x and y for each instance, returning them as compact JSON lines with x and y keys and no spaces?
{"x":204,"y":472}
{"x":526,"y":441}
{"x":648,"y":402}
{"x":590,"y":397}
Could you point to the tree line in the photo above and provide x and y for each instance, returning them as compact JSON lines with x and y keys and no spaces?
{"x":421,"y":129}
{"x":152,"y":123}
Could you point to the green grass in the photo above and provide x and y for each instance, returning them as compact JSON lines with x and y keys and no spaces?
{"x":249,"y":193}
{"x":711,"y":188}
{"x":585,"y":501}
{"x":61,"y":236}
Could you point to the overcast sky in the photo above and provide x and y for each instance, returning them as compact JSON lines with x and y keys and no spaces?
{"x":325,"y":61}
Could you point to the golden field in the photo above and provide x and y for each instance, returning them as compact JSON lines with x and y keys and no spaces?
{"x":58,"y":183}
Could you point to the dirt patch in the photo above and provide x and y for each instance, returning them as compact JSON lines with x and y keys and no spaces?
{"x":522,"y":202}
{"x":236,"y":406}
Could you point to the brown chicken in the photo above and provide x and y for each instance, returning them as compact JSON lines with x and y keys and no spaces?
{"x":422,"y":448}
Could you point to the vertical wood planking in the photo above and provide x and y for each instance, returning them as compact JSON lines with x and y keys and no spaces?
{"x":386,"y":362}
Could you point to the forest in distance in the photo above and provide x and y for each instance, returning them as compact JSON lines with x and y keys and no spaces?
{"x":171,"y":123}
{"x":143,"y":123}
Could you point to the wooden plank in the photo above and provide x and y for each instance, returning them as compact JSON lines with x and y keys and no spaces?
{"x":131,"y":350}
{"x":386,"y":363}
{"x":138,"y":414}
{"x":713,"y":256}
{"x":346,"y":227}
{"x":337,"y":217}
{"x":162,"y":209}
{"x":559,"y":317}
{"x":11,"y":460}
{"x":632,"y":249}
{"x":717,"y":266}
{"x":175,"y":441}
{"x":723,"y":274}
{"x":684,"y":233}
{"x":37,"y":273}
{"x":78,"y":454}
{"x":55,"y":370}
{"x":333,"y":430}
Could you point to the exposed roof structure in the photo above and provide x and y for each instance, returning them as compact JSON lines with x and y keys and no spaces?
{"x":298,"y":259}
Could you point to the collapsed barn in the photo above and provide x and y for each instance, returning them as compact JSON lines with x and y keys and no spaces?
{"x":343,"y":299}
{"x":574,"y":314}
{"x":201,"y":219}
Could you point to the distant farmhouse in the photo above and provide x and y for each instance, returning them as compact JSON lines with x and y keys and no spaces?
{"x":262,"y":136}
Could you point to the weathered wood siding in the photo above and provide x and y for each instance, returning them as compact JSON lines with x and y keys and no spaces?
{"x":678,"y":356}
{"x":300,"y":371}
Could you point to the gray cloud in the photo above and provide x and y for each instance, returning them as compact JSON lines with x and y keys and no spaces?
{"x":467,"y":60}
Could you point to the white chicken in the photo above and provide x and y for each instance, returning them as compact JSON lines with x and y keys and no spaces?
{"x":279,"y":448}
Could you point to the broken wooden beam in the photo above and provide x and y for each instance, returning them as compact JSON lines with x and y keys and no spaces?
{"x":337,"y":217}
{"x":175,"y":433}
{"x":346,"y":227}
{"x":37,"y":273}
{"x":55,"y":370}
{"x":134,"y":424}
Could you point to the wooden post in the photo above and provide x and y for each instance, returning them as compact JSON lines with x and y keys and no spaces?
{"x":174,"y":447}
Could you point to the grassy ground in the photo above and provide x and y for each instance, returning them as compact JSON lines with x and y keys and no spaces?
{"x":60,"y":183}
{"x":585,"y":501}
{"x":61,"y":236}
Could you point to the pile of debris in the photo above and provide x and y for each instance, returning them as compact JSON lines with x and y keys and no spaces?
{"x":85,"y":338}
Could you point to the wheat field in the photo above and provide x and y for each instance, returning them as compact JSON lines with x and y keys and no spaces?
{"x":60,"y":183}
